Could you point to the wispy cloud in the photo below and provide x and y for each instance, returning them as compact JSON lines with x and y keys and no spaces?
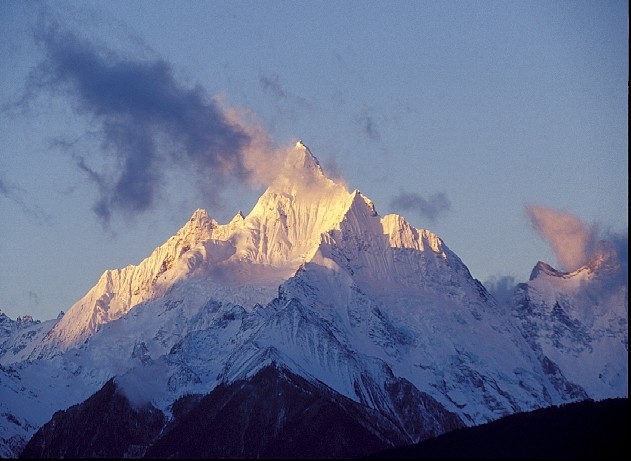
{"x":147,"y":122}
{"x":502,"y":288}
{"x":571,"y":240}
{"x":287,"y":104}
{"x":16,"y":195}
{"x":10,"y":191}
{"x":33,"y":298}
{"x":368,"y":126}
{"x":431,"y":207}
{"x":620,"y":243}
{"x":576,"y":243}
{"x":273,"y":86}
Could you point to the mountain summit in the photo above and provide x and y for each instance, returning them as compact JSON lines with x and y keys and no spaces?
{"x":299,"y":215}
{"x":316,"y":295}
{"x":282,"y":231}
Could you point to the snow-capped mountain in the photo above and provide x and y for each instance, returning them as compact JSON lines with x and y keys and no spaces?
{"x":315,"y":283}
{"x":18,"y":337}
{"x":253,"y":254}
{"x":578,"y":322}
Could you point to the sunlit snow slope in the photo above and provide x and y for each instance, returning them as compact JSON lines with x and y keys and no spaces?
{"x":315,"y":281}
{"x":281,"y":232}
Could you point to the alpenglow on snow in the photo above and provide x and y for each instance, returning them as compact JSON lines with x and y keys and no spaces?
{"x":313,"y":281}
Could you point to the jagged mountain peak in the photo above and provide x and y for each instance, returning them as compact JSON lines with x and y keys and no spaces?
{"x":603,"y":261}
{"x":238,"y":217}
{"x":198,"y":227}
{"x":281,"y":232}
{"x":545,"y":268}
{"x":199,"y":215}
{"x":362,"y":200}
{"x":579,"y":321}
{"x":302,"y":157}
{"x":301,"y":215}
{"x":200,"y":219}
{"x":299,"y":173}
{"x":118,"y":290}
{"x":380,"y":312}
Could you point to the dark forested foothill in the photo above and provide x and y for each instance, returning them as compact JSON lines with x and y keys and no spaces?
{"x":277,"y":414}
{"x":582,"y":430}
{"x":104,"y":426}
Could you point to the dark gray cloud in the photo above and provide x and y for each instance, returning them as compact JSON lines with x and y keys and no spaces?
{"x":610,"y":257}
{"x":286,"y":104}
{"x":430,"y":207}
{"x":369,"y":127}
{"x":620,"y":243}
{"x":272,"y":85}
{"x":140,"y":111}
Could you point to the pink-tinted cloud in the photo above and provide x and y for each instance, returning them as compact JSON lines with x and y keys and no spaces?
{"x":570,"y":238}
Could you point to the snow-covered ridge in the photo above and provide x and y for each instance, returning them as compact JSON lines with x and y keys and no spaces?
{"x":18,"y":337}
{"x":603,"y":262}
{"x":579,"y":321}
{"x":302,"y":216}
{"x":315,"y":280}
{"x":282,"y":231}
{"x":120,"y":289}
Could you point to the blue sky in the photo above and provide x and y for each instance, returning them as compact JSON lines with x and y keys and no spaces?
{"x":499,"y":125}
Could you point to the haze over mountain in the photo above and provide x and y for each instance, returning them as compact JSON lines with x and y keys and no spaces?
{"x":314,"y":291}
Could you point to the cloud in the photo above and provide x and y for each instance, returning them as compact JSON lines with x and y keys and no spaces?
{"x":287,"y":105}
{"x":369,"y":127}
{"x":10,"y":191}
{"x":502,"y":288}
{"x":620,"y":243}
{"x":430,"y":207}
{"x":576,"y":244}
{"x":33,"y":298}
{"x":272,"y":84}
{"x":147,"y":122}
{"x":15,"y":194}
{"x":572,"y":241}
